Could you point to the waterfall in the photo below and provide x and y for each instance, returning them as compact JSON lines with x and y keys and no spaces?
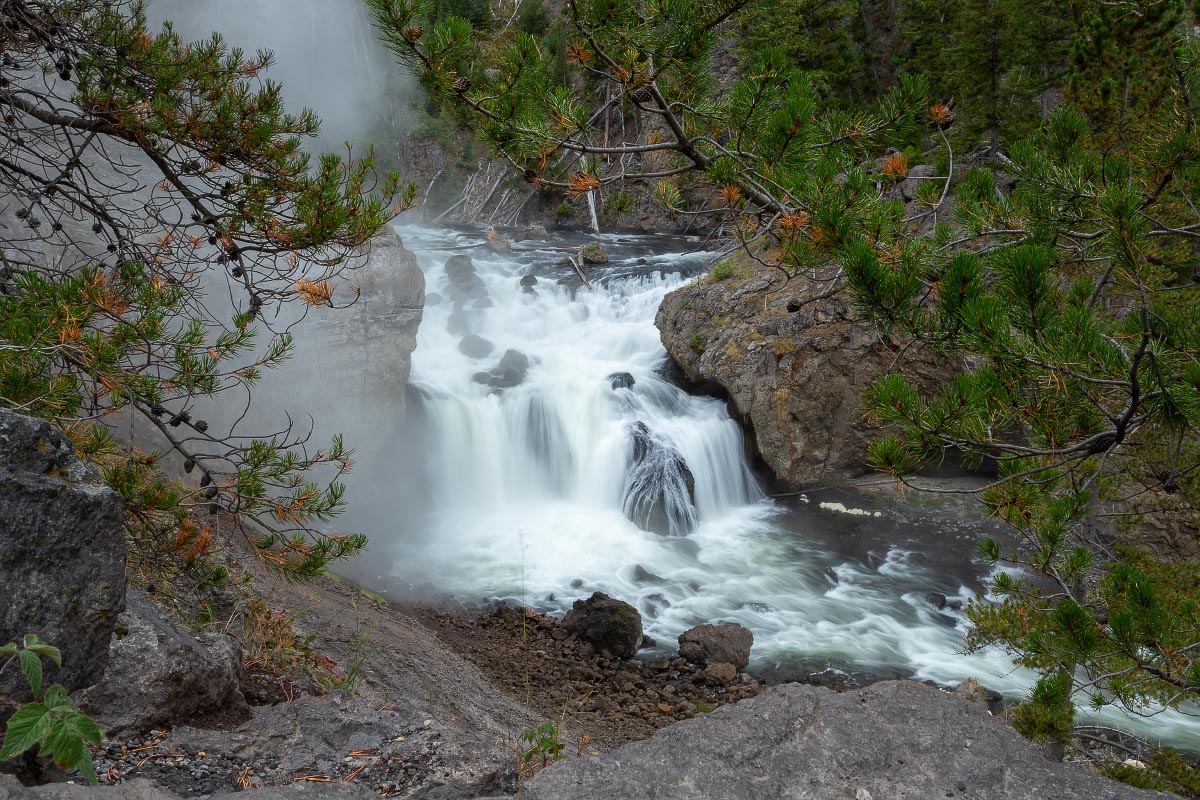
{"x":556,"y":460}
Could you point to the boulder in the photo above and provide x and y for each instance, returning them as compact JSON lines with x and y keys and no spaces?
{"x":459,"y":270}
{"x":529,"y":280}
{"x":159,"y":676}
{"x":433,"y":299}
{"x":514,"y":359}
{"x":895,"y":739}
{"x":474,"y":346}
{"x":719,"y":674}
{"x":727,"y":643}
{"x":593,"y":253}
{"x":62,"y":553}
{"x":795,"y":381}
{"x":621,"y":380}
{"x":660,"y":491}
{"x":606,"y":624}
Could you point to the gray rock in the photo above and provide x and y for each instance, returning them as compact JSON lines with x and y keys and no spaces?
{"x":460,"y":270}
{"x":890,"y":740}
{"x":514,"y":359}
{"x":727,"y":643}
{"x":529,"y":280}
{"x":142,"y":789}
{"x":159,"y":676}
{"x":621,"y":380}
{"x":369,"y":344}
{"x":916,"y":176}
{"x":474,"y":346}
{"x":660,"y":491}
{"x":606,"y":624}
{"x":62,"y":552}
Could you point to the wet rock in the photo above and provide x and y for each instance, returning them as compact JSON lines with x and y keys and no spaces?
{"x":643,"y":575}
{"x":460,"y":270}
{"x":433,"y":299}
{"x":534,"y":231}
{"x":474,"y":346}
{"x":482,"y":377}
{"x":593,"y":253}
{"x":159,"y":676}
{"x":660,"y":490}
{"x":498,"y":244}
{"x":726,"y":643}
{"x":621,"y":380}
{"x":62,"y":553}
{"x":529,"y":280}
{"x":890,"y":740}
{"x":606,"y":624}
{"x":516,"y":360}
{"x":577,"y":583}
{"x":936,"y":599}
{"x":505,"y":378}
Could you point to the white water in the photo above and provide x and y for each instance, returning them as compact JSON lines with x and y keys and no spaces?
{"x":526,"y":490}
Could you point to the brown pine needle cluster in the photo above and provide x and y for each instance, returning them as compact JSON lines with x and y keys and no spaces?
{"x":313,"y":292}
{"x":794,"y":222}
{"x":895,"y":166}
{"x":581,"y":183}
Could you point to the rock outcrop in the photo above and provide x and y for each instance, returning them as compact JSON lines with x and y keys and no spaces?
{"x":885,"y":742}
{"x":794,"y":371}
{"x":148,"y":790}
{"x":159,"y":676}
{"x":62,"y":552}
{"x":367,"y":348}
{"x":606,"y":624}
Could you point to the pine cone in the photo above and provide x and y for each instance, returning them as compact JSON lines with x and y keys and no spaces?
{"x":412,"y":33}
{"x":461,"y":85}
{"x":642,"y":94}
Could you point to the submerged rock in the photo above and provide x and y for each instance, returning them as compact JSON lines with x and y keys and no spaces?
{"x":660,"y":490}
{"x":606,"y":624}
{"x":529,"y":280}
{"x":474,"y":346}
{"x":727,"y":643}
{"x":621,"y":380}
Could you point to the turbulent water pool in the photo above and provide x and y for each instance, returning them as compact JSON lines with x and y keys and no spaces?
{"x":526,"y":469}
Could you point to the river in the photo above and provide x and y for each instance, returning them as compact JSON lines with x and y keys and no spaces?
{"x":526,"y":489}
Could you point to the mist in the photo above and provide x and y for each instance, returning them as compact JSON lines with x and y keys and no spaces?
{"x":327,"y":56}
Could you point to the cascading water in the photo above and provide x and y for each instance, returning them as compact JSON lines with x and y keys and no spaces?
{"x":558,"y":461}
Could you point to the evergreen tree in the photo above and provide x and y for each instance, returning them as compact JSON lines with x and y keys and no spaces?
{"x":136,"y":172}
{"x":1070,"y":299}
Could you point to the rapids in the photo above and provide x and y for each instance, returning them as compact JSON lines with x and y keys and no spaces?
{"x":527,"y":492}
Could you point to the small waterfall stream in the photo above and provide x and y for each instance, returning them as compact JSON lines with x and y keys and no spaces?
{"x":556,"y":460}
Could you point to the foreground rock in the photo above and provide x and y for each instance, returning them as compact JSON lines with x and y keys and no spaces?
{"x":727,"y":643}
{"x":794,"y":371}
{"x":148,"y":790}
{"x":62,"y":552}
{"x":888,"y":741}
{"x":606,"y":624}
{"x":159,"y":676}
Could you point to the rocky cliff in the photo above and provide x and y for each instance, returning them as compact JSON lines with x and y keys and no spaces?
{"x":792,"y":364}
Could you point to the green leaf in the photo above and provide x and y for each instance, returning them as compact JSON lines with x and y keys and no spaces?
{"x":31,"y":665}
{"x":26,"y":728}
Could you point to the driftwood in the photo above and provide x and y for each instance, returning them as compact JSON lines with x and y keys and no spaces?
{"x":578,"y":265}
